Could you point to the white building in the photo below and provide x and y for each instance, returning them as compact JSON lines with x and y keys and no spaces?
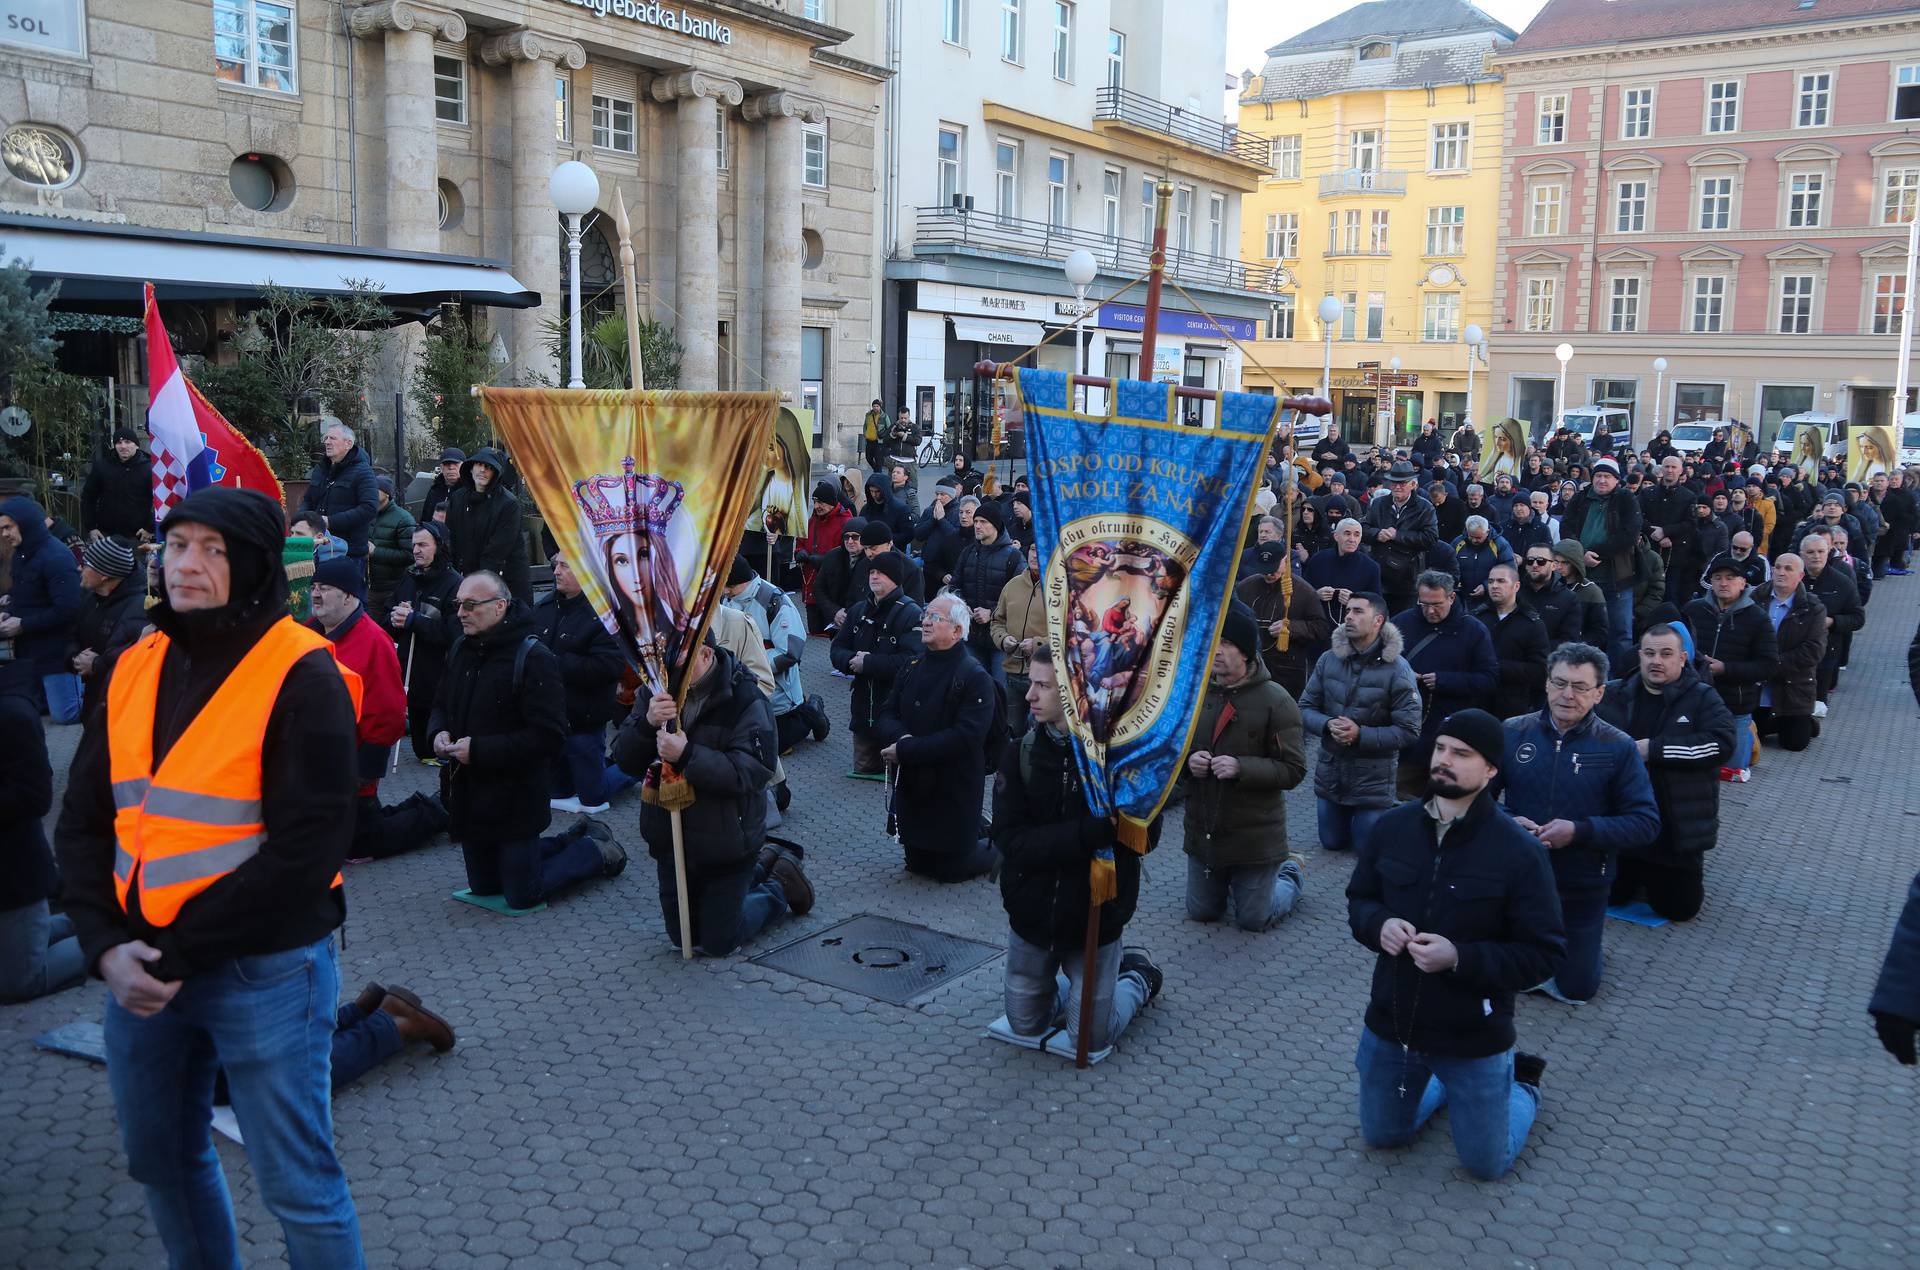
{"x":1019,"y":130}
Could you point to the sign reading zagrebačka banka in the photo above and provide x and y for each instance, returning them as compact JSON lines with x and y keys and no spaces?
{"x":665,"y":16}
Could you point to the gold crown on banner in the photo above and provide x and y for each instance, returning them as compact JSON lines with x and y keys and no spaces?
{"x":618,"y":504}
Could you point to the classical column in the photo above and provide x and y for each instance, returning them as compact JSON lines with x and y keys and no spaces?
{"x":780,"y":252}
{"x":409,"y":29}
{"x":533,"y":59}
{"x":697,"y":95}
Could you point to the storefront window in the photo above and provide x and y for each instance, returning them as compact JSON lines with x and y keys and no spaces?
{"x":1533,"y":405}
{"x":1777,"y":401}
{"x":1621,"y":393}
{"x":1699,"y":403}
{"x":1452,"y":410}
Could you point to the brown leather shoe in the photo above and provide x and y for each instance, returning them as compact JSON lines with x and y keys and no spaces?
{"x":799,"y":891}
{"x":415,"y":1022}
{"x":369,"y":999}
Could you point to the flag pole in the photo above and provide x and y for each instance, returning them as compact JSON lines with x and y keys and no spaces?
{"x":632,"y":301}
{"x":1156,"y":274}
{"x":1086,"y":983}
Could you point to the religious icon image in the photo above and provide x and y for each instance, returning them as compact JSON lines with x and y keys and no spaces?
{"x":1119,"y":591}
{"x":641,"y":531}
{"x":1870,"y":453}
{"x":1509,"y":447}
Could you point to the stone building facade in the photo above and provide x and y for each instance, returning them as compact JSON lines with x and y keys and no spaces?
{"x":741,"y":133}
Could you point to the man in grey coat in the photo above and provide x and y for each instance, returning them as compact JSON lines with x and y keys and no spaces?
{"x":1363,"y":702}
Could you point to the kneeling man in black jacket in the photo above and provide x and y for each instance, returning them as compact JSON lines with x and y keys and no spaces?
{"x":1460,"y":904}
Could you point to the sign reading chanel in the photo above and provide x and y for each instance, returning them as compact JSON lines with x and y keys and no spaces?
{"x":664,"y":16}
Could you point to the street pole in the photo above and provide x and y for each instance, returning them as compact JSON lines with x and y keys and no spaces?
{"x":573,"y":299}
{"x":1659,"y":391}
{"x":1156,"y":272}
{"x":1903,"y":365}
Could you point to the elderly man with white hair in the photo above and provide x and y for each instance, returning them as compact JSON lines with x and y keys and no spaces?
{"x":1339,"y":572}
{"x":1476,"y":552}
{"x":934,"y":725}
{"x":343,"y":488}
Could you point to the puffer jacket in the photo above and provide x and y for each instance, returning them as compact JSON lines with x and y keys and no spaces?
{"x":390,"y":542}
{"x":1591,"y":775}
{"x":1377,"y":690}
{"x":348,"y":494}
{"x":729,"y":761}
{"x":1739,"y":636}
{"x":888,"y":632}
{"x":981,"y":573}
{"x":882,"y":508}
{"x":45,"y":592}
{"x":1686,"y":747}
{"x":1239,"y":823}
{"x":1473,"y":561}
{"x":1801,"y":639}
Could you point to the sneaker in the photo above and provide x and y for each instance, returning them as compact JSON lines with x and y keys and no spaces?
{"x":565,"y":804}
{"x":1736,"y":775}
{"x":1819,"y":709}
{"x":793,"y":881}
{"x":1528,"y":1068}
{"x":596,"y":809}
{"x":1136,"y":961}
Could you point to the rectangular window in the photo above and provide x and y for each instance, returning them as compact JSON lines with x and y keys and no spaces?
{"x":1283,"y":235}
{"x":1148,"y":209}
{"x":1898,"y":191}
{"x":1623,"y":312}
{"x":1343,"y":232}
{"x":1723,"y":106}
{"x":1716,"y":202}
{"x":1446,"y":231}
{"x":1376,"y":315}
{"x":1906,"y":92}
{"x":1377,"y":232}
{"x":1059,"y":171}
{"x":1349,"y":316}
{"x":449,"y":89}
{"x":953,"y":21}
{"x":1450,"y":147}
{"x":722,"y":159}
{"x":1110,"y":184}
{"x":813,"y":373}
{"x":1363,"y":149}
{"x":1541,"y":293}
{"x":612,"y":124}
{"x":563,"y":108}
{"x":814,"y":10}
{"x":1116,"y":59}
{"x":1216,"y":225}
{"x":1889,"y":302}
{"x":1806,"y":191}
{"x":947,"y":166}
{"x":1010,"y":30}
{"x":1699,"y":403}
{"x":1636,"y":114}
{"x":1709,"y":305}
{"x":1630,"y":208}
{"x":1183,"y":218}
{"x":1280,"y":319}
{"x":253,"y":44}
{"x":1816,"y":100}
{"x":1545,"y":220}
{"x":1283,"y":154}
{"x":1551,"y":128}
{"x":1796,"y":304}
{"x":813,"y":156}
{"x":1440,"y":317}
{"x":1006,"y":179}
{"x":1062,"y":40}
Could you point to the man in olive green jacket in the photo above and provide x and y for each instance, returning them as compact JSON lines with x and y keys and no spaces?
{"x":1247,"y":753}
{"x":1019,"y":626}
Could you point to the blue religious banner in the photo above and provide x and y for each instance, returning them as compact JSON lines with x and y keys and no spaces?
{"x":1139,"y":520}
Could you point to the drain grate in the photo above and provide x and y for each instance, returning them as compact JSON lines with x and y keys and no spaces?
{"x":879,"y":957}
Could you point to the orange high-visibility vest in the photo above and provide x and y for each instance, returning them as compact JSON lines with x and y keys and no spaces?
{"x":198,"y":818}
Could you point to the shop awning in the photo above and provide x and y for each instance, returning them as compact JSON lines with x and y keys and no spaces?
{"x":988,"y":331}
{"x":100,"y":268}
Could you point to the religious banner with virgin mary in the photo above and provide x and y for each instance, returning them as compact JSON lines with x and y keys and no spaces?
{"x":645,"y":493}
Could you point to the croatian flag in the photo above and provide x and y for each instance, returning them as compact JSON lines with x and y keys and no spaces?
{"x":193,"y":446}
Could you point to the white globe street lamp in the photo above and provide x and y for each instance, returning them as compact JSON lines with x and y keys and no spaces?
{"x":1081,"y":269}
{"x":1474,"y":337}
{"x":1565,"y":353}
{"x":1330,"y":311}
{"x":574,"y":190}
{"x":1659,"y":388}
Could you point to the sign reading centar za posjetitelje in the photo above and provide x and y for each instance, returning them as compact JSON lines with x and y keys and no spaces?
{"x":667,"y":17}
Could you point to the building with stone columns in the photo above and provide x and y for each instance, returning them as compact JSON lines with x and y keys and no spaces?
{"x":217,"y":143}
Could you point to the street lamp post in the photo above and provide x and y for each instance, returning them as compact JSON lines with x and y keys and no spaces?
{"x":1474,"y":337}
{"x":1565,"y":353}
{"x":1659,"y":390}
{"x":1330,"y":310}
{"x":574,"y":190}
{"x":1081,"y":269}
{"x":1393,"y":417}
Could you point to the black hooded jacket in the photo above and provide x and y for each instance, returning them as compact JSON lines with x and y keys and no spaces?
{"x":484,"y":529}
{"x":882,"y":507}
{"x":283,"y":897}
{"x":26,"y":792}
{"x":515,"y":728}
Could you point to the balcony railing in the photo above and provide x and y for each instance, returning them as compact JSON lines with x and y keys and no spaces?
{"x":1362,"y":181}
{"x":952,"y":227}
{"x":1182,"y":125}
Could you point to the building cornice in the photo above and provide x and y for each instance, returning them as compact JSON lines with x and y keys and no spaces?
{"x":1770,"y":37}
{"x":852,"y":65}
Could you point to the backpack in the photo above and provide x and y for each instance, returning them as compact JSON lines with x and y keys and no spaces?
{"x":994,"y":746}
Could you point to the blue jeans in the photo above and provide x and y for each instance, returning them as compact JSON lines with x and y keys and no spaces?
{"x":1344,"y":828}
{"x":1043,"y":991}
{"x":1490,"y":1114}
{"x":529,"y":871}
{"x":1619,"y":648}
{"x":581,"y":770}
{"x":269,"y":1020}
{"x":38,"y":953}
{"x":361,"y":1042}
{"x":1262,"y":894}
{"x":1742,"y":741}
{"x":1585,"y":914}
{"x":728,"y":907}
{"x":63,"y":696}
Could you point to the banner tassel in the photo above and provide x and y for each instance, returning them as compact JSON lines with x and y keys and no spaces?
{"x":1102,"y":881}
{"x":667,"y":789}
{"x":1132,"y":834}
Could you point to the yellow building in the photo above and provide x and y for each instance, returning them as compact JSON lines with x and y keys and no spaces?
{"x":1384,"y":128}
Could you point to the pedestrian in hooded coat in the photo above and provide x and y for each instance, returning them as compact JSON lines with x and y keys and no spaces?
{"x":390,"y":548}
{"x":424,"y":623}
{"x":43,"y":602}
{"x":882,"y":508}
{"x":342,"y":487}
{"x":984,"y":568}
{"x":1589,"y":601}
{"x":484,"y":525}
{"x":117,"y":497}
{"x":878,"y":640}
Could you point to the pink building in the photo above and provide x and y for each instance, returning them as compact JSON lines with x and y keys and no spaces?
{"x":1722,"y":183}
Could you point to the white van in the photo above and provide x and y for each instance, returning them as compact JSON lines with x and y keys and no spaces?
{"x":1910,"y":439}
{"x":1585,"y":422}
{"x":1831,"y":427}
{"x":1692,"y":438}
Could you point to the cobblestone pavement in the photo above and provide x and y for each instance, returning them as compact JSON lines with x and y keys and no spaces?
{"x":1722,"y":1103}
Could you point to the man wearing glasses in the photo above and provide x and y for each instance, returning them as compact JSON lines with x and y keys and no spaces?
{"x":1543,"y":591}
{"x":1579,"y":786}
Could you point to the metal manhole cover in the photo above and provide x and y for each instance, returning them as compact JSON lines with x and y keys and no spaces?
{"x":879,"y":957}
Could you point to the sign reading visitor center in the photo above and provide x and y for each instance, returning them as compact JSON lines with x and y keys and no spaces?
{"x":651,"y":13}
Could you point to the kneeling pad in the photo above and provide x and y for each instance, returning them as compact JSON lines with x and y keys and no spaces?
{"x":1059,"y":1042}
{"x":1640,"y":913}
{"x":1002,"y":1031}
{"x":495,"y":903}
